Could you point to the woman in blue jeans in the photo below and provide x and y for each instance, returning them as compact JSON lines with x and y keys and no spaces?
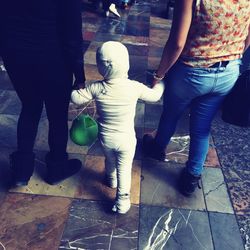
{"x":200,"y":64}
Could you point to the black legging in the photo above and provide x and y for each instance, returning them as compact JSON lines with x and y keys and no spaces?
{"x":41,"y":81}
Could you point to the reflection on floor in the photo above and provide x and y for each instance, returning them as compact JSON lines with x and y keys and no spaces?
{"x":76,"y":213}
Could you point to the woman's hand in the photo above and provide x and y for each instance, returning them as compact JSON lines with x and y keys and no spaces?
{"x":78,"y":85}
{"x":156,"y":79}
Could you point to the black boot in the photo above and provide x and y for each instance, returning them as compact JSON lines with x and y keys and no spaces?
{"x":22,"y":166}
{"x":60,"y":169}
{"x":151,"y":149}
{"x":188,"y":182}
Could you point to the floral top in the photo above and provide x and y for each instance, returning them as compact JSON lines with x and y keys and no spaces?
{"x":217,"y":33}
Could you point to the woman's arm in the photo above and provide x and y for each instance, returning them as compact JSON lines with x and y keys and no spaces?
{"x":247,"y":41}
{"x":71,"y":30}
{"x":178,"y":36}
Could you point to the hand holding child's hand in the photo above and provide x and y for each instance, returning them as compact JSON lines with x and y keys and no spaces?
{"x":78,"y":85}
{"x":156,"y":79}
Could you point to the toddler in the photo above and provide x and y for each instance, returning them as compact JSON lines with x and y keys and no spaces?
{"x":116,"y":97}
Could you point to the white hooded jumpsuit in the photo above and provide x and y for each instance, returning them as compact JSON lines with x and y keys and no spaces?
{"x":116,"y":97}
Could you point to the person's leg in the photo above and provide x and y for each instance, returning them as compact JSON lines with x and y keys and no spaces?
{"x":125,"y":157}
{"x":23,"y":78}
{"x":27,"y":89}
{"x":124,"y":166}
{"x":173,"y":108}
{"x":110,"y":167}
{"x":177,"y":96}
{"x":56,"y":91}
{"x":203,"y":110}
{"x":57,"y":112}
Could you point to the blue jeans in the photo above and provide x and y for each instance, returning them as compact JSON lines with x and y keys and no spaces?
{"x":202,"y":90}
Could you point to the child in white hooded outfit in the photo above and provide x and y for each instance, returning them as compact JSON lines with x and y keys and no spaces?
{"x":116,"y":97}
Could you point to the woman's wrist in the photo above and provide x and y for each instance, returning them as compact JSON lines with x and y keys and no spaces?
{"x":157,"y":76}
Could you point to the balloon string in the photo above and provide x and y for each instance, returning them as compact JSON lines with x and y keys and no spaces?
{"x":86,"y":106}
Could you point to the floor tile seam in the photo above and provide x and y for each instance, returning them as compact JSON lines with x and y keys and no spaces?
{"x":235,"y":218}
{"x":168,"y":164}
{"x":63,"y":197}
{"x":173,"y":207}
{"x":225,"y":179}
{"x":40,"y":195}
{"x":227,"y":188}
{"x":204,"y":196}
{"x":212,"y":167}
{"x":109,"y":202}
{"x":6,"y":114}
{"x":194,"y":210}
{"x":210,"y":228}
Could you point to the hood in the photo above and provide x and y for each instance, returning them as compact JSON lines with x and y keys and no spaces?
{"x":112,"y":60}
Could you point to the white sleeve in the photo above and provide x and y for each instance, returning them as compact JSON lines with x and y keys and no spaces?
{"x":152,"y":94}
{"x":81,"y":96}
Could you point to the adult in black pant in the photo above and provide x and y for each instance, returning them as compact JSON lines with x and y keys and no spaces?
{"x":41,"y":47}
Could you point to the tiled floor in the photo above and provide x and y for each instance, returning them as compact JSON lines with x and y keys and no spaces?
{"x":76,"y":213}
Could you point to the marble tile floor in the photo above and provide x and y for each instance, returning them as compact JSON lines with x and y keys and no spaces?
{"x":75,"y":214}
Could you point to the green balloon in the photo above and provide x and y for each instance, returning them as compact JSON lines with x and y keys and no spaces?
{"x":84,"y":130}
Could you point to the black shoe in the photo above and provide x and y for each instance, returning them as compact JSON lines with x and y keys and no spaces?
{"x":22,"y":166}
{"x":151,"y":149}
{"x":59,"y":170}
{"x":188,"y":182}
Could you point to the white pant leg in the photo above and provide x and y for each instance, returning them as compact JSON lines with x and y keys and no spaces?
{"x":110,"y":161}
{"x":124,"y":169}
{"x":119,"y":152}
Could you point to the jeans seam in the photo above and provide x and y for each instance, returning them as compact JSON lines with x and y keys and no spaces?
{"x":214,"y":83}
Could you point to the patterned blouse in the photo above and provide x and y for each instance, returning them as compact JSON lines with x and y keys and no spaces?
{"x":217,"y":33}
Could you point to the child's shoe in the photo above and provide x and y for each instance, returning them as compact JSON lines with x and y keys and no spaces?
{"x":113,"y":10}
{"x":111,"y":180}
{"x":122,"y":204}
